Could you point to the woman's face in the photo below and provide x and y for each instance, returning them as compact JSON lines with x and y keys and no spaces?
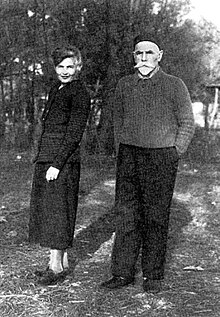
{"x":66,"y":70}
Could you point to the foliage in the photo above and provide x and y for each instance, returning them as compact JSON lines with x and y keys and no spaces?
{"x":104,"y":31}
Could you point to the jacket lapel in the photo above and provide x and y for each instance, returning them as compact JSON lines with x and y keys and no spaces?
{"x":49,"y":103}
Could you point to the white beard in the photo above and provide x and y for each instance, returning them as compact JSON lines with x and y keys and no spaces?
{"x":145,"y":70}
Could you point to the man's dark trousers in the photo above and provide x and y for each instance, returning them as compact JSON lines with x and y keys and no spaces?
{"x":145,"y":182}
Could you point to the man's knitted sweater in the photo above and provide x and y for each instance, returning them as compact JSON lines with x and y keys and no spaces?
{"x":153,"y":113}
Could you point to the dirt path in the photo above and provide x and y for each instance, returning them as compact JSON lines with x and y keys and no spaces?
{"x":192,"y":283}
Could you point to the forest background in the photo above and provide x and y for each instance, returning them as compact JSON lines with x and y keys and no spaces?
{"x":103,"y":30}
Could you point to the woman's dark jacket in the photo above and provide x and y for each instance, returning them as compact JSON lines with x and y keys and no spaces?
{"x":63,"y":123}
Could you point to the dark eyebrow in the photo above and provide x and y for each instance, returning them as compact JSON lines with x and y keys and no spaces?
{"x":147,"y":52}
{"x":66,"y":66}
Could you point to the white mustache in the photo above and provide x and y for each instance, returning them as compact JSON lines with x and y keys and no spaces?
{"x":141,"y":64}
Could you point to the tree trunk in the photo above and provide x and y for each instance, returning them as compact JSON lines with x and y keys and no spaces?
{"x":2,"y":115}
{"x":113,"y":37}
{"x":105,"y":130}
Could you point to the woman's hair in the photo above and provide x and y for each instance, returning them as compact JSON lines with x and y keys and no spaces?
{"x":60,"y":53}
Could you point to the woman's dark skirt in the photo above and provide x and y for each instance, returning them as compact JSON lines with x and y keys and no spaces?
{"x":53,"y":206}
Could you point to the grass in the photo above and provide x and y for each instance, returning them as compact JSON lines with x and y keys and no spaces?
{"x":192,"y":281}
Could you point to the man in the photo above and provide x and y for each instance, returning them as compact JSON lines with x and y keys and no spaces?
{"x":154,"y":124}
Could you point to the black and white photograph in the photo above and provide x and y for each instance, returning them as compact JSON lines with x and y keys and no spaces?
{"x":109,"y":158}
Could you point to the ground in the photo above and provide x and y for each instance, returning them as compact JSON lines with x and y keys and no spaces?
{"x":192,"y":281}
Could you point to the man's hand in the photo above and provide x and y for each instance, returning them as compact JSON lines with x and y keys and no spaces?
{"x":52,"y":173}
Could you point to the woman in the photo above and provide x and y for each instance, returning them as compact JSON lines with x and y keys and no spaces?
{"x":54,"y":195}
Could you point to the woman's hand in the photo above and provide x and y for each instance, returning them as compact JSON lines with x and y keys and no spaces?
{"x":52,"y":173}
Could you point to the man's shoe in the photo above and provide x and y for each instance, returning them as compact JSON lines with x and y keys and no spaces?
{"x":152,"y":286}
{"x":117,"y":282}
{"x":51,"y":278}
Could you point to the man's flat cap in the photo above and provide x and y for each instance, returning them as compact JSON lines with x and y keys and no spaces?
{"x":146,"y":37}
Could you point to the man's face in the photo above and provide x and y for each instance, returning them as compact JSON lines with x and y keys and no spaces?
{"x":147,"y":56}
{"x":66,"y":70}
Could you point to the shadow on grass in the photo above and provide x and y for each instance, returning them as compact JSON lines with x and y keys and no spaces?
{"x":89,"y":240}
{"x":180,"y":217}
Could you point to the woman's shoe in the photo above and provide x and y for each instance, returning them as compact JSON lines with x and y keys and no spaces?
{"x":51,"y":278}
{"x":40,"y":273}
